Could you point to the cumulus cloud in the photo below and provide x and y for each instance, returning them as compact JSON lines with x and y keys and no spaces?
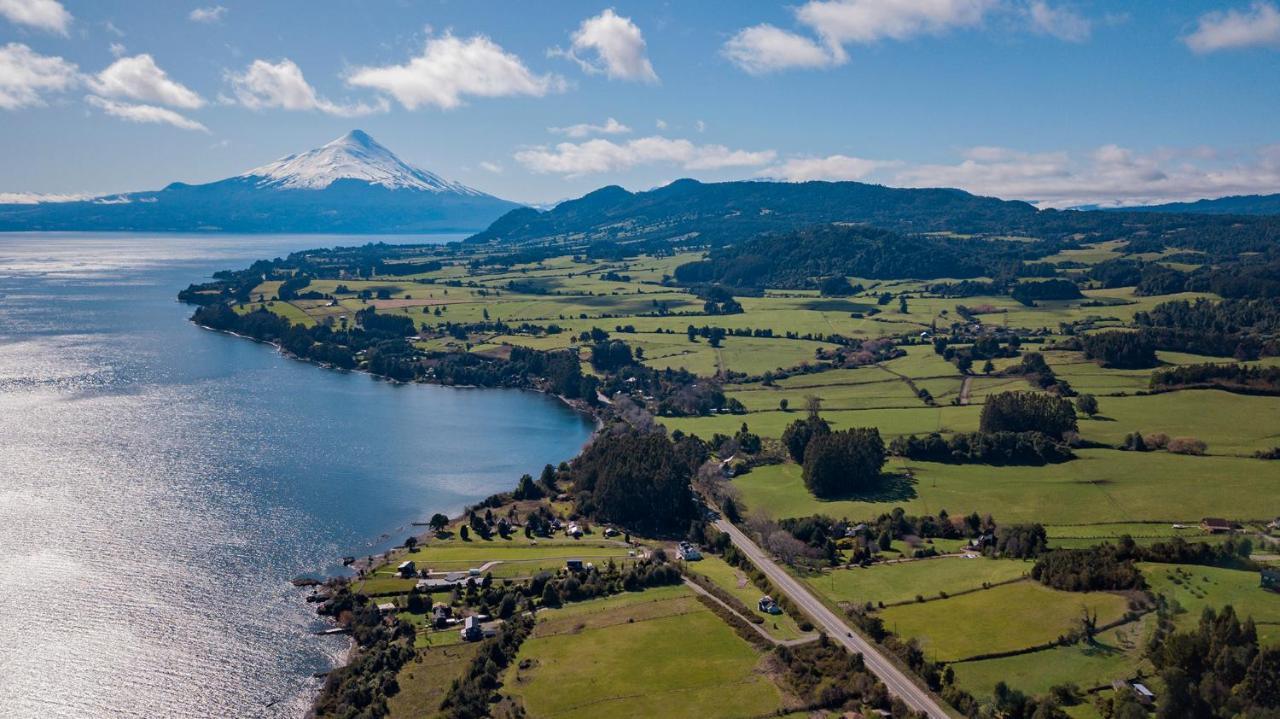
{"x":611,"y":44}
{"x":281,"y":85}
{"x":211,"y":14}
{"x":1109,"y":175}
{"x":144,"y":113}
{"x":585,"y":129}
{"x":450,"y":69}
{"x":837,"y":23}
{"x":866,"y":21}
{"x":140,"y":78}
{"x":832,"y":167}
{"x":601,"y":155}
{"x":1259,"y":26}
{"x":43,"y":14}
{"x":26,"y":76}
{"x":1060,"y":22}
{"x":765,"y":48}
{"x":493,"y":167}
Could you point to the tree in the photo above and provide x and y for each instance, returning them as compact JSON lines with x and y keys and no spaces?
{"x":987,"y":367}
{"x":526,"y":489}
{"x":844,"y":463}
{"x":550,"y":597}
{"x":410,"y":543}
{"x":438,"y":522}
{"x":797,"y":436}
{"x":730,"y":509}
{"x":783,"y":404}
{"x":1088,"y":404}
{"x":1028,"y":412}
{"x":464,"y":534}
{"x":633,"y":477}
{"x":884,"y":541}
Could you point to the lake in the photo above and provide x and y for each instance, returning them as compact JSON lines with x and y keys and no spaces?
{"x":160,"y":483}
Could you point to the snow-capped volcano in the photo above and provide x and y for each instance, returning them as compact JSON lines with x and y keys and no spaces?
{"x":352,"y":185}
{"x":354,"y":156}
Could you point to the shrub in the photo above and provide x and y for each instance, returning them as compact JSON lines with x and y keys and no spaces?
{"x":1187,"y":445}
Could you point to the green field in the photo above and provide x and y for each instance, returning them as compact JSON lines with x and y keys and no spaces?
{"x":1114,"y":654}
{"x":1193,"y":588}
{"x":733,"y":581}
{"x":1000,"y":619}
{"x":1100,"y":486}
{"x":615,"y":659}
{"x":425,"y":680}
{"x":903,"y":581}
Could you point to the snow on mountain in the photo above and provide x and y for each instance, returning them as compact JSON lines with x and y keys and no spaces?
{"x":354,"y":156}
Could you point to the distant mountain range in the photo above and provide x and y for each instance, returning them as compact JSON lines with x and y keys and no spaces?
{"x":1234,"y":205}
{"x":351,"y":185}
{"x":726,"y":211}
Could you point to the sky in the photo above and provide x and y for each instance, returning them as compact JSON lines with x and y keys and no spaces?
{"x":1059,"y":102}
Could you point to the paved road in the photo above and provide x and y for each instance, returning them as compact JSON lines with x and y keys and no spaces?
{"x":894,"y":678}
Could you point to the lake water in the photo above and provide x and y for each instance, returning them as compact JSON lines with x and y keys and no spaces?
{"x":160,"y":484}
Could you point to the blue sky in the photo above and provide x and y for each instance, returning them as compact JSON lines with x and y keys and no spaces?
{"x":1057,"y":101}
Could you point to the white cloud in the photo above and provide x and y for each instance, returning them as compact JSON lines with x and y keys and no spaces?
{"x":281,"y":85}
{"x":1060,"y":22}
{"x":832,"y":167}
{"x":700,"y":126}
{"x":866,"y":21}
{"x":37,"y":198}
{"x":836,"y":23}
{"x":43,"y":14}
{"x":1259,"y":26}
{"x":25,"y":76}
{"x":612,"y":45}
{"x":1109,"y":175}
{"x":585,"y":129}
{"x":600,"y":155}
{"x":493,"y":167}
{"x":451,"y":68}
{"x":765,"y":48}
{"x":660,"y":123}
{"x":144,"y":113}
{"x":118,"y":49}
{"x":211,"y":14}
{"x":139,"y":78}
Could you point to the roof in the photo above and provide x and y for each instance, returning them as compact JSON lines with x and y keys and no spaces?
{"x":1143,"y":690}
{"x":1216,"y":522}
{"x":387,"y":607}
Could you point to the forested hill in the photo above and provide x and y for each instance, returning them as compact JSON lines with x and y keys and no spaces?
{"x":794,"y":259}
{"x":1234,"y":205}
{"x":721,"y":212}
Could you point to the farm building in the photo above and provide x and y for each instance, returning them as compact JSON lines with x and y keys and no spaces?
{"x":1216,"y":525}
{"x":407,"y":569}
{"x":1270,"y":579}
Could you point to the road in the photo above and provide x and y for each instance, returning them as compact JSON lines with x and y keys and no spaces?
{"x":894,"y":678}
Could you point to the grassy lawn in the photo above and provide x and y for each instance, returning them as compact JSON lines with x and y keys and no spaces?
{"x":425,"y":680}
{"x":902,"y":581}
{"x":620,"y":664}
{"x":908,"y":419}
{"x":1229,"y":423}
{"x":733,"y":581}
{"x":1000,"y":619}
{"x":1195,"y":588}
{"x":1115,"y":654}
{"x":1100,"y":486}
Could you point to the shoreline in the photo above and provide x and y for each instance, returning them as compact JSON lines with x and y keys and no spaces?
{"x":348,"y":655}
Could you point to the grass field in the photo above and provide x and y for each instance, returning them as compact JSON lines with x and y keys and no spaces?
{"x":1114,"y":654}
{"x":733,"y":581}
{"x":1194,"y":588}
{"x":1003,"y":618}
{"x":425,"y":680}
{"x":1100,"y":486}
{"x":903,"y":581}
{"x":1229,"y":423}
{"x":614,"y":659}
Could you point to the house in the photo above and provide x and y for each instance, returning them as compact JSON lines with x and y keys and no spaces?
{"x":768,"y":606}
{"x":573,"y":565}
{"x":573,"y":531}
{"x":688,"y":552}
{"x":407,"y":569}
{"x":611,"y":532}
{"x":387,"y":608}
{"x":440,"y":615}
{"x":1270,"y":579}
{"x":471,"y":630}
{"x":1145,"y":695}
{"x":1216,"y":525}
